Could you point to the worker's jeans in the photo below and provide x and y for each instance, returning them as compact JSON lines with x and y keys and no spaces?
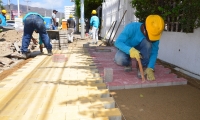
{"x":31,"y":23}
{"x":144,"y":47}
{"x":95,"y":34}
{"x":54,"y":27}
{"x":70,"y":33}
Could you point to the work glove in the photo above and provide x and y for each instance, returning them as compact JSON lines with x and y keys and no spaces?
{"x":134,"y":53}
{"x":150,"y":74}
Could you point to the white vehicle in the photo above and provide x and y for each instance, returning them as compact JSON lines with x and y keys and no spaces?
{"x":10,"y":23}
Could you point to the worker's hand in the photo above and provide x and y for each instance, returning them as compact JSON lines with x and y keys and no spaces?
{"x":150,"y":74}
{"x":134,"y":53}
{"x":34,"y":41}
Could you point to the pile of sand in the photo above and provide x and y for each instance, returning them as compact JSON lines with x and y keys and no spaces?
{"x":13,"y":35}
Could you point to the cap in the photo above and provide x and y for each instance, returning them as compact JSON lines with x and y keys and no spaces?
{"x":55,"y":11}
{"x":4,"y":11}
{"x":154,"y":27}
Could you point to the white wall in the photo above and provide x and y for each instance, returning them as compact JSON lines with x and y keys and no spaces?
{"x":69,"y":10}
{"x":181,"y":49}
{"x":113,"y":10}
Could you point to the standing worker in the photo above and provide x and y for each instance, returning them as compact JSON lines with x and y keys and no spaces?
{"x":70,"y":28}
{"x":34,"y":22}
{"x":54,"y":19}
{"x":140,"y":41}
{"x":3,"y":18}
{"x":94,"y":25}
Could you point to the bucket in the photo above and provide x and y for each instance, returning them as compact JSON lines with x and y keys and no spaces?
{"x":64,"y":24}
{"x":48,"y":22}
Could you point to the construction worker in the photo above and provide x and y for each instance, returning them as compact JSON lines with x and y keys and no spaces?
{"x":94,"y":25}
{"x":3,"y":18}
{"x":54,"y":19}
{"x":140,"y":41}
{"x":70,"y":28}
{"x":34,"y":22}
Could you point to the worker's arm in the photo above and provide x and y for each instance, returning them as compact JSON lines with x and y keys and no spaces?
{"x":123,"y":37}
{"x":67,"y":23}
{"x":34,"y":40}
{"x":54,"y":20}
{"x":91,"y":23}
{"x":154,"y":54}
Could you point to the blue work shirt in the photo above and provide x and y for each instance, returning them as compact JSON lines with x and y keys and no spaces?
{"x":131,"y":36}
{"x":3,"y":20}
{"x":94,"y":21}
{"x":31,"y":13}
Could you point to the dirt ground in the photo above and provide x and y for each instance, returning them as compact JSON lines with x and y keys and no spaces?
{"x":7,"y":39}
{"x":160,"y":103}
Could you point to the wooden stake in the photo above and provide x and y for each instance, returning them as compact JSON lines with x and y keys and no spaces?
{"x":141,"y":70}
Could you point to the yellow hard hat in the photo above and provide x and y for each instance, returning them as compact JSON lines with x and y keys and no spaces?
{"x":94,"y":12}
{"x":154,"y":27}
{"x":3,"y":11}
{"x":70,"y":16}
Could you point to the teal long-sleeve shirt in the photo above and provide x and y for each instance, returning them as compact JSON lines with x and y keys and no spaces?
{"x":3,"y":20}
{"x":31,"y":13}
{"x":131,"y":36}
{"x":94,"y":21}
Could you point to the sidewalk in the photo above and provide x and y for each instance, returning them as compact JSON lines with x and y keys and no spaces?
{"x":46,"y":89}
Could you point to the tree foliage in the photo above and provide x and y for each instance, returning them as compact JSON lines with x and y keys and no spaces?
{"x":1,"y":5}
{"x":89,"y":5}
{"x":183,"y":12}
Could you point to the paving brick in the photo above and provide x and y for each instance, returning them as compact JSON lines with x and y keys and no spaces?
{"x":113,"y":114}
{"x":55,"y":116}
{"x":164,"y":83}
{"x":98,"y":85}
{"x":59,"y":58}
{"x":103,"y":93}
{"x":91,"y":107}
{"x":107,"y":102}
{"x":149,"y":84}
{"x":108,"y":74}
{"x":99,"y":118}
{"x":115,"y":85}
{"x":79,"y":115}
{"x":86,"y":45}
{"x":133,"y":86}
{"x":65,"y":109}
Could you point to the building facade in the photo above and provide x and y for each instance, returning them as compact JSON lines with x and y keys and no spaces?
{"x":69,"y":10}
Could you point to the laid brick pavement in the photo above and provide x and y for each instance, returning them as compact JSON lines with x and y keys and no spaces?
{"x":70,"y":89}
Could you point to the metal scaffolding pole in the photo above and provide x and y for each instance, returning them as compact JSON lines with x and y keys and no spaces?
{"x":82,"y":20}
{"x":18,"y":14}
{"x":9,"y":8}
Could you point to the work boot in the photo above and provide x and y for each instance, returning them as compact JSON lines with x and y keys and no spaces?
{"x":127,"y":68}
{"x":24,"y":56}
{"x":49,"y":52}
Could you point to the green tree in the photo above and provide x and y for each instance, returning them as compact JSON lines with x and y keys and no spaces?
{"x":182,"y":12}
{"x":1,"y":5}
{"x":89,"y":5}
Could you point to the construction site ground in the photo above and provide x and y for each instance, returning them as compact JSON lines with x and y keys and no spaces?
{"x":177,"y":102}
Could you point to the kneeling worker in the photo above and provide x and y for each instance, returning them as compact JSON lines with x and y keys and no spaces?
{"x":34,"y":22}
{"x":140,"y":41}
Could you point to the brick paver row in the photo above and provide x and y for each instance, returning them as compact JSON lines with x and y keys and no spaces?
{"x":47,"y":90}
{"x":103,"y":58}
